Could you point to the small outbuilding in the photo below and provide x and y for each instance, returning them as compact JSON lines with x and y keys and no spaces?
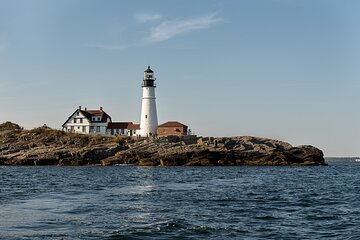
{"x":172,"y":128}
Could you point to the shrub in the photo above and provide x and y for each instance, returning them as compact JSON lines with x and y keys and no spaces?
{"x":10,"y":126}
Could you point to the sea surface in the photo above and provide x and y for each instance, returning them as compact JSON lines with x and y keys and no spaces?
{"x":129,"y":202}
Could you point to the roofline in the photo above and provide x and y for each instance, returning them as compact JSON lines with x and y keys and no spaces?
{"x":69,"y":117}
{"x":183,"y":125}
{"x":103,"y":112}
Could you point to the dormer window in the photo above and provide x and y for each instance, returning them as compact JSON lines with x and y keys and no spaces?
{"x":96,"y":119}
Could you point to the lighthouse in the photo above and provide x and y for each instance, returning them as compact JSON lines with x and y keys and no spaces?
{"x":148,"y":122}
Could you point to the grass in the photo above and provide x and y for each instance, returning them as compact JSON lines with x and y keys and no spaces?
{"x":12,"y":132}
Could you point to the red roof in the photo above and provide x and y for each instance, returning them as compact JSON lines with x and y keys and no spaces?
{"x":95,"y":113}
{"x":172,"y":124}
{"x":123,"y":125}
{"x":134,"y":126}
{"x":92,"y":113}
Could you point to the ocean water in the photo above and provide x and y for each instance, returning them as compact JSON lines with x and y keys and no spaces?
{"x":129,"y":202}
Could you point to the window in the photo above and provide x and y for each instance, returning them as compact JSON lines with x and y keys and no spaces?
{"x":83,"y":129}
{"x":75,"y":120}
{"x":72,"y":128}
{"x":81,"y":120}
{"x":145,"y":116}
{"x":78,"y":127}
{"x":77,"y":114}
{"x":98,"y":118}
{"x":97,"y":128}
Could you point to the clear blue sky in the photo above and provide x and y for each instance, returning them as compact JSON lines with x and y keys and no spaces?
{"x":281,"y":69}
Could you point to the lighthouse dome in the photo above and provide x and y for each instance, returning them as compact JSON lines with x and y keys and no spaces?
{"x":148,"y":70}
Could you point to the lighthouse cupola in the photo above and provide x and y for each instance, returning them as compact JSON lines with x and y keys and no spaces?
{"x":148,"y":78}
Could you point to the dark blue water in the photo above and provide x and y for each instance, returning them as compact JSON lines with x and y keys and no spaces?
{"x":128,"y":202}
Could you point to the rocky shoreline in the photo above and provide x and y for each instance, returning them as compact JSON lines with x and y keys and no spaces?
{"x":44,"y":146}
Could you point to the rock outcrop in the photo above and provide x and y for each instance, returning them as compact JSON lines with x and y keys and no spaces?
{"x":44,"y":146}
{"x":192,"y":151}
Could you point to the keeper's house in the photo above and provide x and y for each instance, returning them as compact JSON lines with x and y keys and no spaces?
{"x":98,"y":122}
{"x":87,"y":121}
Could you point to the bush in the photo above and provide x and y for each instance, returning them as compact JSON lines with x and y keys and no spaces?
{"x":10,"y":126}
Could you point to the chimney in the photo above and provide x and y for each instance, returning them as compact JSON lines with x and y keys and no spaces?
{"x":101,"y":108}
{"x":79,"y":107}
{"x":85,"y":108}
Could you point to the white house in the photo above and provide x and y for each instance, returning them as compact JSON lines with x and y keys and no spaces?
{"x":123,"y":128}
{"x":87,"y":121}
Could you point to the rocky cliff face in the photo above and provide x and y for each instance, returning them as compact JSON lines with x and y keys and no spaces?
{"x":43,"y":146}
{"x":192,"y":151}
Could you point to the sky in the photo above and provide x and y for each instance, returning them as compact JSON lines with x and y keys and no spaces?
{"x":282,"y":69}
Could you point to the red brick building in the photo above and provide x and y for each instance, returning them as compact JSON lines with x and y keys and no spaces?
{"x":172,"y":128}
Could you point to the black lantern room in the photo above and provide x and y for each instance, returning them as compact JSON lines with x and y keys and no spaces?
{"x":148,"y":78}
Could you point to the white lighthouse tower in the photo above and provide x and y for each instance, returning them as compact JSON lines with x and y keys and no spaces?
{"x":148,"y":122}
